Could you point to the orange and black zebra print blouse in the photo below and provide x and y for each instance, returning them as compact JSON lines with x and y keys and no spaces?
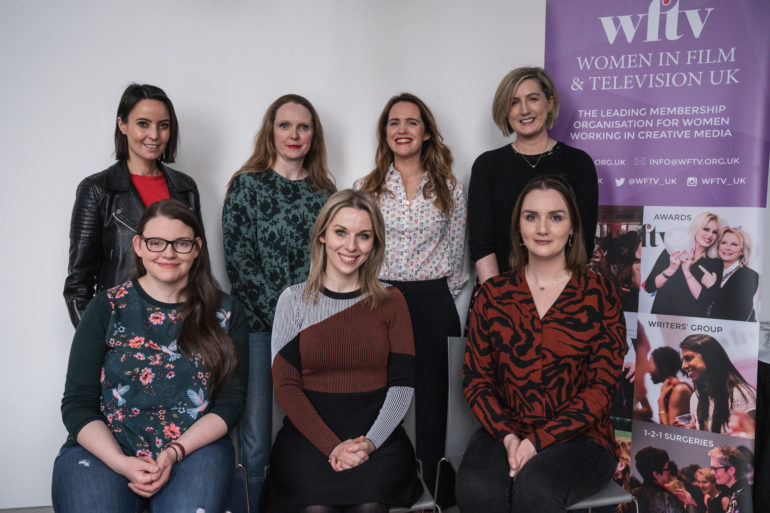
{"x":550,"y":379}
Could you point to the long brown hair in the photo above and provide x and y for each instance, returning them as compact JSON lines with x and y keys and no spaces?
{"x":265,"y":154}
{"x":718,"y":383}
{"x":200,"y":332}
{"x":576,"y":251}
{"x":370,"y":269}
{"x":436,"y":157}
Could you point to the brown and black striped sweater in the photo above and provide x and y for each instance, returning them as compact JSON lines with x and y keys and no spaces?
{"x":339,"y":348}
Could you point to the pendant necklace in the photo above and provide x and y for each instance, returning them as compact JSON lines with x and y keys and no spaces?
{"x":537,"y":161}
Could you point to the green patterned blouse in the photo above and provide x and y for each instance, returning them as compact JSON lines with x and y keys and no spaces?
{"x":266,"y":225}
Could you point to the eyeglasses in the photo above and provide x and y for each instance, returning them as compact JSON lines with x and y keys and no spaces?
{"x":723,"y":467}
{"x":158,"y":245}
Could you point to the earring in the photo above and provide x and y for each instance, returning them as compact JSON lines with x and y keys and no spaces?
{"x":521,"y":242}
{"x":569,"y":241}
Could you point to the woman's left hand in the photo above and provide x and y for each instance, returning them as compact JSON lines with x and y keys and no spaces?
{"x":165,"y":461}
{"x":524,"y":453}
{"x":350,"y":453}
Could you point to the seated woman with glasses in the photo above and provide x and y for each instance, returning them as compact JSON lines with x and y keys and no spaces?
{"x":154,"y":382}
{"x":542,"y":363}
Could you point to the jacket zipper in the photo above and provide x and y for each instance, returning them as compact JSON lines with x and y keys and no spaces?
{"x":123,"y":222}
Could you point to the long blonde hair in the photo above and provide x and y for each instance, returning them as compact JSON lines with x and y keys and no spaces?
{"x":265,"y":154}
{"x":436,"y":157}
{"x":371,"y":286}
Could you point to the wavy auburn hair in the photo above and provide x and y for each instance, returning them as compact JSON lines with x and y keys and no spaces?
{"x":436,"y":157}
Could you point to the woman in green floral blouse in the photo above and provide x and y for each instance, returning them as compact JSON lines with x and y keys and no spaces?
{"x":270,"y":207}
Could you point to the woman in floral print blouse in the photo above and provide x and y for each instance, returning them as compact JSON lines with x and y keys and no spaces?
{"x":424,"y":210}
{"x":154,"y":381}
{"x":271,"y":205}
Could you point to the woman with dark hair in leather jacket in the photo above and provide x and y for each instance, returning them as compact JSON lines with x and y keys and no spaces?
{"x":108,"y":204}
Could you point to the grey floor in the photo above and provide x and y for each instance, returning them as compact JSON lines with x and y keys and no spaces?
{"x":46,"y":509}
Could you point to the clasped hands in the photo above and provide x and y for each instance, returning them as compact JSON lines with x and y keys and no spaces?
{"x":146,"y":475}
{"x":350,"y":453}
{"x":519,"y":452}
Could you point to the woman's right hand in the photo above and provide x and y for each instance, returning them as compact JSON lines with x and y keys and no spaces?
{"x":511,"y":443}
{"x":141,"y":474}
{"x":674,"y":261}
{"x":350,"y":453}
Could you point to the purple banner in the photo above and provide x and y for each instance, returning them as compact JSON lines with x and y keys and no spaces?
{"x":670,"y":97}
{"x":671,"y":100}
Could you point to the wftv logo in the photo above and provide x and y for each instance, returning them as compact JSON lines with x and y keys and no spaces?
{"x":650,"y":237}
{"x":614,"y":24}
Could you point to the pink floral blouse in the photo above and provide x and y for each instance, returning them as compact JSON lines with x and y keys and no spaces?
{"x":421,"y":242}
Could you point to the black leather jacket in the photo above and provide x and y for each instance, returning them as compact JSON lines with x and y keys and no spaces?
{"x":106,"y":212}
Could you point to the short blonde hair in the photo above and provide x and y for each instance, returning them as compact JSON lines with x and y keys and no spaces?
{"x":501,"y":104}
{"x":743,"y":238}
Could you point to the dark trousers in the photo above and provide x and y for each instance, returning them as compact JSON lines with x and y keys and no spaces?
{"x":557,"y":476}
{"x":434,"y":319}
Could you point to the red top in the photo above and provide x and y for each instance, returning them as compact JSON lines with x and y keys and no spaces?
{"x":151,"y":188}
{"x":551,"y":379}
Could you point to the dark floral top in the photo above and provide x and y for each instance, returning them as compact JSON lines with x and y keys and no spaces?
{"x":125,"y":368}
{"x":266,"y":224}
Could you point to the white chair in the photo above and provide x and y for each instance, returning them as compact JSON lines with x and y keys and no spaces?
{"x":462,"y":423}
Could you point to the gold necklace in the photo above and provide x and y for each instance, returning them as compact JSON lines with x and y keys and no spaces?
{"x":558,"y":281}
{"x":533,"y":166}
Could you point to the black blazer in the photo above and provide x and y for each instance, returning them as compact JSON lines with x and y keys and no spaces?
{"x":106,"y":211}
{"x":735,"y":301}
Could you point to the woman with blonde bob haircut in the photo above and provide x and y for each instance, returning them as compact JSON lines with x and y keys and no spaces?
{"x":734,"y":300}
{"x":526,"y":104}
{"x":343,"y":369}
{"x":685,"y":281}
{"x":424,"y":210}
{"x":271,"y":203}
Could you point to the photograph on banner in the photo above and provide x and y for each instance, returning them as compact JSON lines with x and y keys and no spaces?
{"x":696,"y":374}
{"x":701,"y":262}
{"x":703,"y":472}
{"x":618,"y":250}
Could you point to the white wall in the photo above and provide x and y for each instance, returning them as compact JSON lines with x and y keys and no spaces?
{"x":65,"y":64}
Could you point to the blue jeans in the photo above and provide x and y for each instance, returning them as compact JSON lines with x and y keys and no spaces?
{"x":255,"y":429}
{"x":559,"y":475}
{"x":82,"y":482}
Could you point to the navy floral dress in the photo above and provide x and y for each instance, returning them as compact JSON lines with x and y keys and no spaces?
{"x":147,"y":391}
